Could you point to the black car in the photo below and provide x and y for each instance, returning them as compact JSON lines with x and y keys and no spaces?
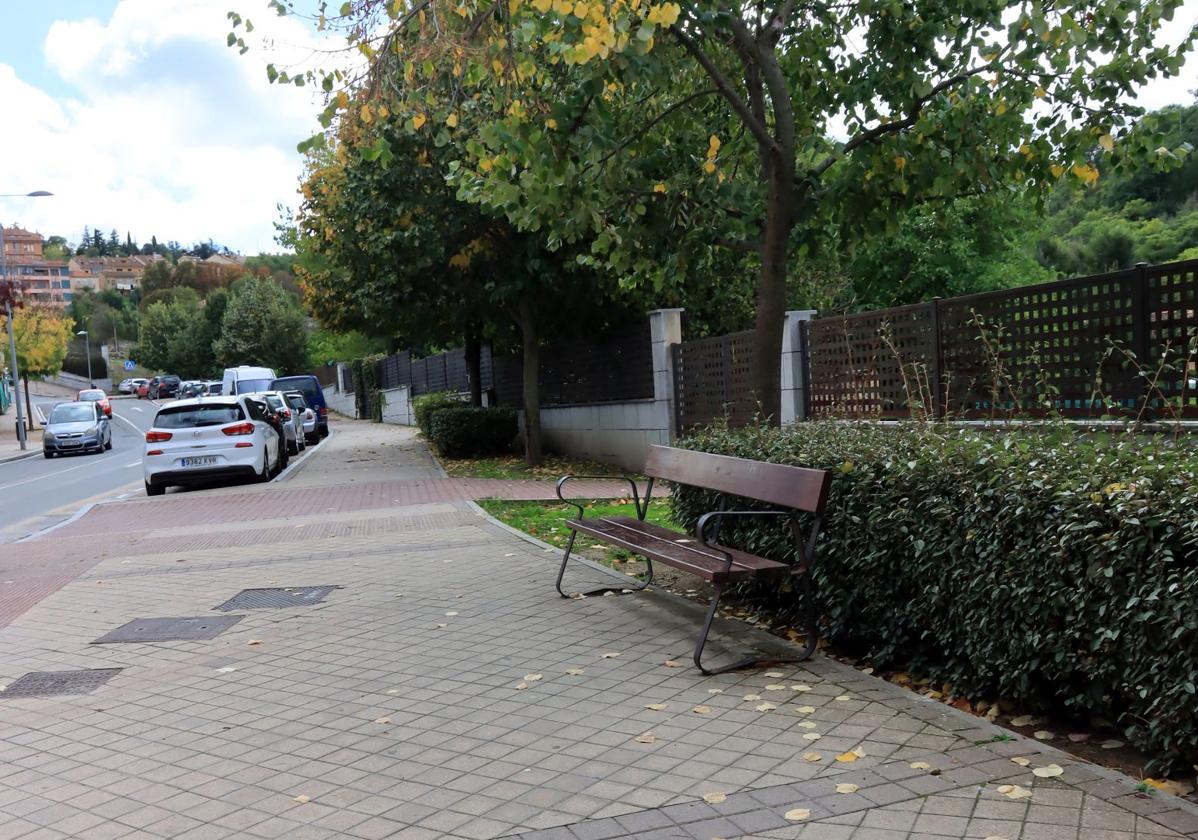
{"x":164,"y":386}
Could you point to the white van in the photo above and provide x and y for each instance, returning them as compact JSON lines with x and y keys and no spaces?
{"x":246,"y":380}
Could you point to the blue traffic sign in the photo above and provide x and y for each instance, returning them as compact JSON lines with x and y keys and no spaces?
{"x":129,"y":365}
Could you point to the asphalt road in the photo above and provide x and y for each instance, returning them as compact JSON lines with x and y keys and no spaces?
{"x":35,"y":492}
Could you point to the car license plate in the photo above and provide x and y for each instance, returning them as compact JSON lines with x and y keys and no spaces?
{"x":202,"y":461}
{"x":69,"y":443}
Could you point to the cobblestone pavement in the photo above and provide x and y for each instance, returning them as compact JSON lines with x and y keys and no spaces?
{"x":444,"y":690}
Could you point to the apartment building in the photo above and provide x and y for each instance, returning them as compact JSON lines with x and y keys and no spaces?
{"x":43,"y":281}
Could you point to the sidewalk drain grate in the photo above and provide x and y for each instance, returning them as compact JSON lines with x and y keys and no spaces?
{"x":58,"y":683}
{"x":271,"y":599}
{"x":196,"y":628}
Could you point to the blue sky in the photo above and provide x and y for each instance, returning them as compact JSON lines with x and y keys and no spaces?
{"x":139,"y":118}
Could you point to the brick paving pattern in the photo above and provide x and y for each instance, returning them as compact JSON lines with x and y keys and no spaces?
{"x":395,"y":707}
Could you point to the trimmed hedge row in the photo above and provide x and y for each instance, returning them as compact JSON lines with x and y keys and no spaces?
{"x":424,"y":405}
{"x":470,"y":432}
{"x":1049,"y":567}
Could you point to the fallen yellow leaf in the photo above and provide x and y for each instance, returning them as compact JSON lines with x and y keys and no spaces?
{"x":774,"y":674}
{"x":843,"y":697}
{"x":804,"y":710}
{"x":920,"y":765}
{"x":645,"y":738}
{"x":383,"y":720}
{"x":806,"y":724}
{"x":656,"y":707}
{"x":1176,"y":788}
{"x":714,"y":798}
{"x":812,"y":736}
{"x":610,"y":655}
{"x":715,"y":691}
{"x":441,"y":626}
{"x":254,"y":642}
{"x":847,"y":787}
{"x":574,"y":672}
{"x":775,"y":687}
{"x":520,"y":686}
{"x":1044,"y":735}
{"x":752,"y":698}
{"x":798,"y":814}
{"x":451,"y":613}
{"x":702,"y":710}
{"x":532,"y":677}
{"x":302,"y":798}
{"x":1014,"y":791}
{"x":766,"y":707}
{"x":847,"y":757}
{"x":812,"y":756}
{"x":672,"y":663}
{"x":800,"y":687}
{"x":1021,"y":761}
{"x":1048,"y":771}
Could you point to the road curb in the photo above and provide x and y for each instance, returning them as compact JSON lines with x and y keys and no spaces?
{"x":21,"y":456}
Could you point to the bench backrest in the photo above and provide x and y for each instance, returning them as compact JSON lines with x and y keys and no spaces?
{"x":797,"y":488}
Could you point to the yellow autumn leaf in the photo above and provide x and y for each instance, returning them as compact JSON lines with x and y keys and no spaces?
{"x":542,"y":6}
{"x":847,"y":787}
{"x":847,"y":757}
{"x":418,"y":121}
{"x":452,"y":121}
{"x":656,"y":707}
{"x":1057,"y":170}
{"x":713,"y":146}
{"x":1000,"y":108}
{"x":1048,"y":771}
{"x":812,"y":757}
{"x":645,"y":738}
{"x":1041,"y":93}
{"x":709,"y":167}
{"x":900,"y":163}
{"x":798,"y":814}
{"x":659,"y":188}
{"x":714,"y":798}
{"x":581,"y":10}
{"x":1107,"y":142}
{"x":366,"y":115}
{"x":920,"y":765}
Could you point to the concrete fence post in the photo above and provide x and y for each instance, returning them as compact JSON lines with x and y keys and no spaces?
{"x":665,"y":329}
{"x":792,"y":366}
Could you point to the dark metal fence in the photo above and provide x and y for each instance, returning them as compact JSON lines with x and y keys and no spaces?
{"x":441,"y":372}
{"x":711,"y":380}
{"x":614,"y":366}
{"x":1084,"y":347}
{"x":326,"y":375}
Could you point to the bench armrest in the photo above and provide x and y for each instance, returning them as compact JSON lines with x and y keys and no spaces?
{"x":718,"y":515}
{"x":641,"y":507}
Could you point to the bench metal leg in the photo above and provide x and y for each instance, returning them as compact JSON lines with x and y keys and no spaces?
{"x":566,"y":558}
{"x":808,"y":648}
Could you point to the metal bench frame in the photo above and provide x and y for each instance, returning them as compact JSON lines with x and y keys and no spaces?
{"x":708,"y":545}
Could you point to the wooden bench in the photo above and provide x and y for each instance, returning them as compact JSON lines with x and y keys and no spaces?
{"x":794,"y":489}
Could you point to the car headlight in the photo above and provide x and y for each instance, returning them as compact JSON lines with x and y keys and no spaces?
{"x":47,"y":435}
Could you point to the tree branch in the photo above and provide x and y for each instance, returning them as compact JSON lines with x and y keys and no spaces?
{"x":896,"y":126}
{"x":681,"y":103}
{"x":759,"y":129}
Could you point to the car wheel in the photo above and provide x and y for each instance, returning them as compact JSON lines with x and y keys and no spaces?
{"x":155,"y":490}
{"x":108,"y":443}
{"x":265,"y":475}
{"x":47,"y":454}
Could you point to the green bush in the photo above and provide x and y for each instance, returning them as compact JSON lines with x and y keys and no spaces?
{"x":424,"y":405}
{"x":368,"y":397}
{"x":469,"y":432}
{"x":1051,"y":567}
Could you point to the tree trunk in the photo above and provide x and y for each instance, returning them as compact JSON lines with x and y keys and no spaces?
{"x":771,"y":293}
{"x":532,"y":396}
{"x":474,"y":364}
{"x":28,"y":403}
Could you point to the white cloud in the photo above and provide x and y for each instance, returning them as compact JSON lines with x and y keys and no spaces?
{"x":165,"y":130}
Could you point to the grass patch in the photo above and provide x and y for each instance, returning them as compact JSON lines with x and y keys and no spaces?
{"x":544,"y":521}
{"x":512,"y":467}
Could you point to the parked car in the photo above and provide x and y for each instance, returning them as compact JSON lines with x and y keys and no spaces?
{"x":129,"y":386}
{"x":97,"y":396}
{"x":190,"y":388}
{"x":200,"y":440}
{"x":143,"y":389}
{"x":292,"y":424}
{"x":76,"y":427}
{"x":300,"y":407}
{"x":245,"y":379}
{"x":213,"y":388}
{"x":309,"y":386}
{"x":162,"y":387}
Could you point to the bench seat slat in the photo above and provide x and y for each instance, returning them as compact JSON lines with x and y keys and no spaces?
{"x":664,"y":546}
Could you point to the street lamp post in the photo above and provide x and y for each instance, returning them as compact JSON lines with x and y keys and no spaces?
{"x":8,"y":302}
{"x":87,"y":343}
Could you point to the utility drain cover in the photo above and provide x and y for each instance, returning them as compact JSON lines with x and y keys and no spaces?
{"x":270,"y":599}
{"x":197,"y":628}
{"x":57,"y":683}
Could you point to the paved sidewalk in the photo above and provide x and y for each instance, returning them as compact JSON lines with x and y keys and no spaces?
{"x":444,"y":690}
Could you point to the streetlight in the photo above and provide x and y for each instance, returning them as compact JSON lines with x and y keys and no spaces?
{"x":8,"y":301}
{"x":87,"y":343}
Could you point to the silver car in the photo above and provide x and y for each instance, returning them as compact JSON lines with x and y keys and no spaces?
{"x":307,"y":416}
{"x":76,"y":427}
{"x":292,"y":424}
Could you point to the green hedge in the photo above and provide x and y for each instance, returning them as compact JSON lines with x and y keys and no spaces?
{"x":469,"y":432}
{"x":424,"y":405}
{"x":368,"y":397}
{"x":1049,"y":567}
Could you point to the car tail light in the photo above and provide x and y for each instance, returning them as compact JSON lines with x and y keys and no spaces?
{"x":239,"y":429}
{"x":287,"y":414}
{"x":324,"y":411}
{"x":154,"y":452}
{"x":157,"y":437}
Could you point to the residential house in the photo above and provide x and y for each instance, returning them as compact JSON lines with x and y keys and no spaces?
{"x":42,"y":281}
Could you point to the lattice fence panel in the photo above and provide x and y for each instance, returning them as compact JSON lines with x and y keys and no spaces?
{"x":1056,"y":346}
{"x":712,"y":379}
{"x":1172,"y":304}
{"x":879,"y":364}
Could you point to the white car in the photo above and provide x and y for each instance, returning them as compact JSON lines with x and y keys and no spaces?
{"x":129,"y":386}
{"x":200,"y":440}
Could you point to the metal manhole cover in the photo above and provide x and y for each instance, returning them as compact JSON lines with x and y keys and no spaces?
{"x":193,"y":628}
{"x":57,"y":683}
{"x":270,"y":599}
